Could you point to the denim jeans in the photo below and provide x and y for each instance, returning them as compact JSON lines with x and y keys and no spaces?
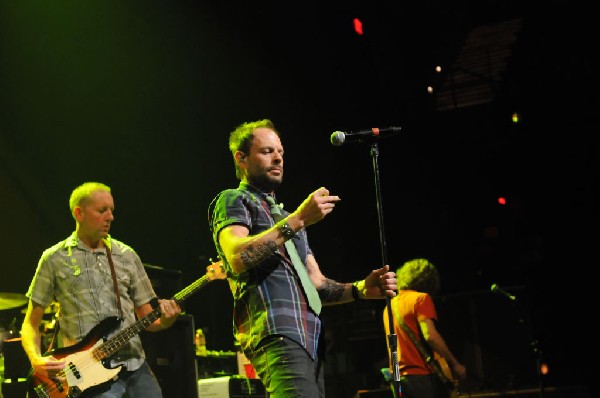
{"x":286,"y":369}
{"x":140,"y":383}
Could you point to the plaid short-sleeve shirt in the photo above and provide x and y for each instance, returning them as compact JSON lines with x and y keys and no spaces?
{"x":268,"y":298}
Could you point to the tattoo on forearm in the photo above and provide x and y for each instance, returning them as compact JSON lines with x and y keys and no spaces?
{"x":255,"y":254}
{"x":331,"y":291}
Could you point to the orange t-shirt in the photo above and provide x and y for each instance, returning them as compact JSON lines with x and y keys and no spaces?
{"x":412,"y":306}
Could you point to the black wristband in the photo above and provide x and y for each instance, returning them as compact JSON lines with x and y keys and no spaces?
{"x":355,"y":294}
{"x":285,"y":229}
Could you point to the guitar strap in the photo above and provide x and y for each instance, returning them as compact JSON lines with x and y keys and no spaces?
{"x":53,"y":339}
{"x":114,"y":277}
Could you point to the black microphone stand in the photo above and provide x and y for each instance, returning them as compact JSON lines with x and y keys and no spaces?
{"x":533,"y":342}
{"x":392,"y":338}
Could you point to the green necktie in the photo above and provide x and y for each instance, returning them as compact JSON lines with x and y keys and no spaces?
{"x":312,"y":295}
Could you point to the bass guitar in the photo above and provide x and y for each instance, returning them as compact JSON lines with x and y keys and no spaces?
{"x":88,"y":362}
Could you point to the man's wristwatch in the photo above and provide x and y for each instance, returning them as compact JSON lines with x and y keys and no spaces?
{"x":285,"y":229}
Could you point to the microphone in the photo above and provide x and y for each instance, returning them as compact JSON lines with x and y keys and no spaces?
{"x":496,"y":289}
{"x":339,"y":137}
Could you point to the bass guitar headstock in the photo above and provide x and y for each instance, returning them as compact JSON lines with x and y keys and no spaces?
{"x":216,"y":270}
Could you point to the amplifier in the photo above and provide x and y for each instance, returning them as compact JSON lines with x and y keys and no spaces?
{"x":16,"y":363}
{"x":14,"y":388}
{"x":231,"y":387}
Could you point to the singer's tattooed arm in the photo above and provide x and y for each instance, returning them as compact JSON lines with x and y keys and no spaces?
{"x":256,"y":254}
{"x":331,"y":291}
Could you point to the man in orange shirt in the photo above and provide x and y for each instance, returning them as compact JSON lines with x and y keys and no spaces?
{"x":418,"y":280}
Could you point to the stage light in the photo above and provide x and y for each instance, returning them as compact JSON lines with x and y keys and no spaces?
{"x":358,"y":26}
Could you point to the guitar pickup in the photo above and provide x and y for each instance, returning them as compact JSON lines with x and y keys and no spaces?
{"x":74,"y":370}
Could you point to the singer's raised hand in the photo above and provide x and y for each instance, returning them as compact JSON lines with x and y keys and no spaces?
{"x":316,"y":206}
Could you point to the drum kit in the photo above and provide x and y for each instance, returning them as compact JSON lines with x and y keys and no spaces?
{"x":12,"y":311}
{"x":14,"y":364}
{"x":9,"y":303}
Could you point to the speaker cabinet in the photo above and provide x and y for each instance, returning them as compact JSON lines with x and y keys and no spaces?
{"x":490,"y":335}
{"x":14,"y":389}
{"x":231,"y":387}
{"x":166,"y":282}
{"x":16,"y":363}
{"x":171,"y":355}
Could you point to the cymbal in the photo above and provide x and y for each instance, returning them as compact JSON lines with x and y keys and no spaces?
{"x":12,"y":300}
{"x":51,"y":309}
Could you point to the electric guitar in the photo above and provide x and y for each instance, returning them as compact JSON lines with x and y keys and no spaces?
{"x":442,"y":370}
{"x":87,"y":362}
{"x":436,"y":362}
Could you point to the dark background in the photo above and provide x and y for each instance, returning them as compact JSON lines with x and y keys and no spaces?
{"x":141,"y":95}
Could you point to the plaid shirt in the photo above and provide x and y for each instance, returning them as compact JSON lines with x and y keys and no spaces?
{"x":80,"y":280}
{"x":268,"y":298}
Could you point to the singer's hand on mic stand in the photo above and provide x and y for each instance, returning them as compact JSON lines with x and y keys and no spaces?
{"x":380,"y":283}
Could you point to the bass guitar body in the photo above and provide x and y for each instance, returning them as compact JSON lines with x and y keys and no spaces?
{"x":82,"y":371}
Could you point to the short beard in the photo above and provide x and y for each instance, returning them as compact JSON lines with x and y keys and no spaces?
{"x":264,"y":183}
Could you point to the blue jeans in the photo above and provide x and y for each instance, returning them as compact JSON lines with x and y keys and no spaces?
{"x":140,"y":383}
{"x":286,"y":369}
